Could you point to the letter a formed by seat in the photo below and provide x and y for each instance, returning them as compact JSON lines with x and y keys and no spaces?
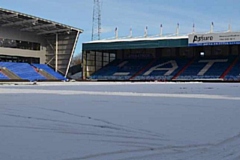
{"x":158,"y":68}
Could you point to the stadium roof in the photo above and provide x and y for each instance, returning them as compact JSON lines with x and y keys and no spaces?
{"x":28,"y":23}
{"x":128,"y":39}
{"x":136,"y":43}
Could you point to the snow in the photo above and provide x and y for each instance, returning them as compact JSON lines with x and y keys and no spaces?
{"x":127,"y":39}
{"x":120,"y":121}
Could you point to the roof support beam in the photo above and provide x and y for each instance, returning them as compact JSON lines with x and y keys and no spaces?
{"x":56,"y":54}
{"x":73,"y":50}
{"x":20,"y":22}
{"x":38,"y":27}
{"x":6,"y":16}
{"x":55,"y":31}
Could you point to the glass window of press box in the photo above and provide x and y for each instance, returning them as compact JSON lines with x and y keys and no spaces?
{"x":10,"y":43}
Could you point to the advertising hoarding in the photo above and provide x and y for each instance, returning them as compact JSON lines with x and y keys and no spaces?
{"x":228,"y":38}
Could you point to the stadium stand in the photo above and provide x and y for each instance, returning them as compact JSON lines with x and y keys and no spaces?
{"x":50,"y":71}
{"x":23,"y":70}
{"x":10,"y":74}
{"x":26,"y":39}
{"x":234,"y":72}
{"x":159,"y":70}
{"x":170,"y":69}
{"x":3,"y":77}
{"x":120,"y":69}
{"x":206,"y":68}
{"x":27,"y":72}
{"x":208,"y":57}
{"x":107,"y":71}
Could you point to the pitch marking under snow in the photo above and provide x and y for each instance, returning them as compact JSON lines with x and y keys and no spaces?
{"x":132,"y":94}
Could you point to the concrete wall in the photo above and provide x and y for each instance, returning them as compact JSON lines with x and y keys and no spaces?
{"x":24,"y":53}
{"x":11,"y":33}
{"x":47,"y":49}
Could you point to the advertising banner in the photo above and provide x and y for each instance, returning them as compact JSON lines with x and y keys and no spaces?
{"x":228,"y":38}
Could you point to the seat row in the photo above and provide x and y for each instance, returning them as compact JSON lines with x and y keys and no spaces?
{"x":223,"y":68}
{"x":28,"y":72}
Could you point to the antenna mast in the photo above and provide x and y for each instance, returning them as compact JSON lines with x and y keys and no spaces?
{"x":96,"y":24}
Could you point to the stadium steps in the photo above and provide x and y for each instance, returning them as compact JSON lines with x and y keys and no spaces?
{"x":48,"y":72}
{"x":183,"y":69}
{"x":45,"y":74}
{"x":229,"y":68}
{"x":142,"y":70}
{"x":3,"y":76}
{"x":9,"y":74}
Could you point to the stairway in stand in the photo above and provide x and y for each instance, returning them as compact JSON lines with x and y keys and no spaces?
{"x":142,"y":70}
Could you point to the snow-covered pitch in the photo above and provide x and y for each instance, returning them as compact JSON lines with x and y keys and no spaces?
{"x":120,"y":121}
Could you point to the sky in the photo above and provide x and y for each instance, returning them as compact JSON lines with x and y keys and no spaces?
{"x":135,"y":14}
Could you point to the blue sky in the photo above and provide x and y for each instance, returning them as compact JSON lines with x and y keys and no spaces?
{"x":135,"y":14}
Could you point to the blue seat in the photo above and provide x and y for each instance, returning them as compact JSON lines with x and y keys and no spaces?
{"x":120,"y":69}
{"x":129,"y":67}
{"x":50,"y":71}
{"x":234,"y":73}
{"x":24,"y":70}
{"x":3,"y":77}
{"x":161,"y":74}
{"x":214,"y":72}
